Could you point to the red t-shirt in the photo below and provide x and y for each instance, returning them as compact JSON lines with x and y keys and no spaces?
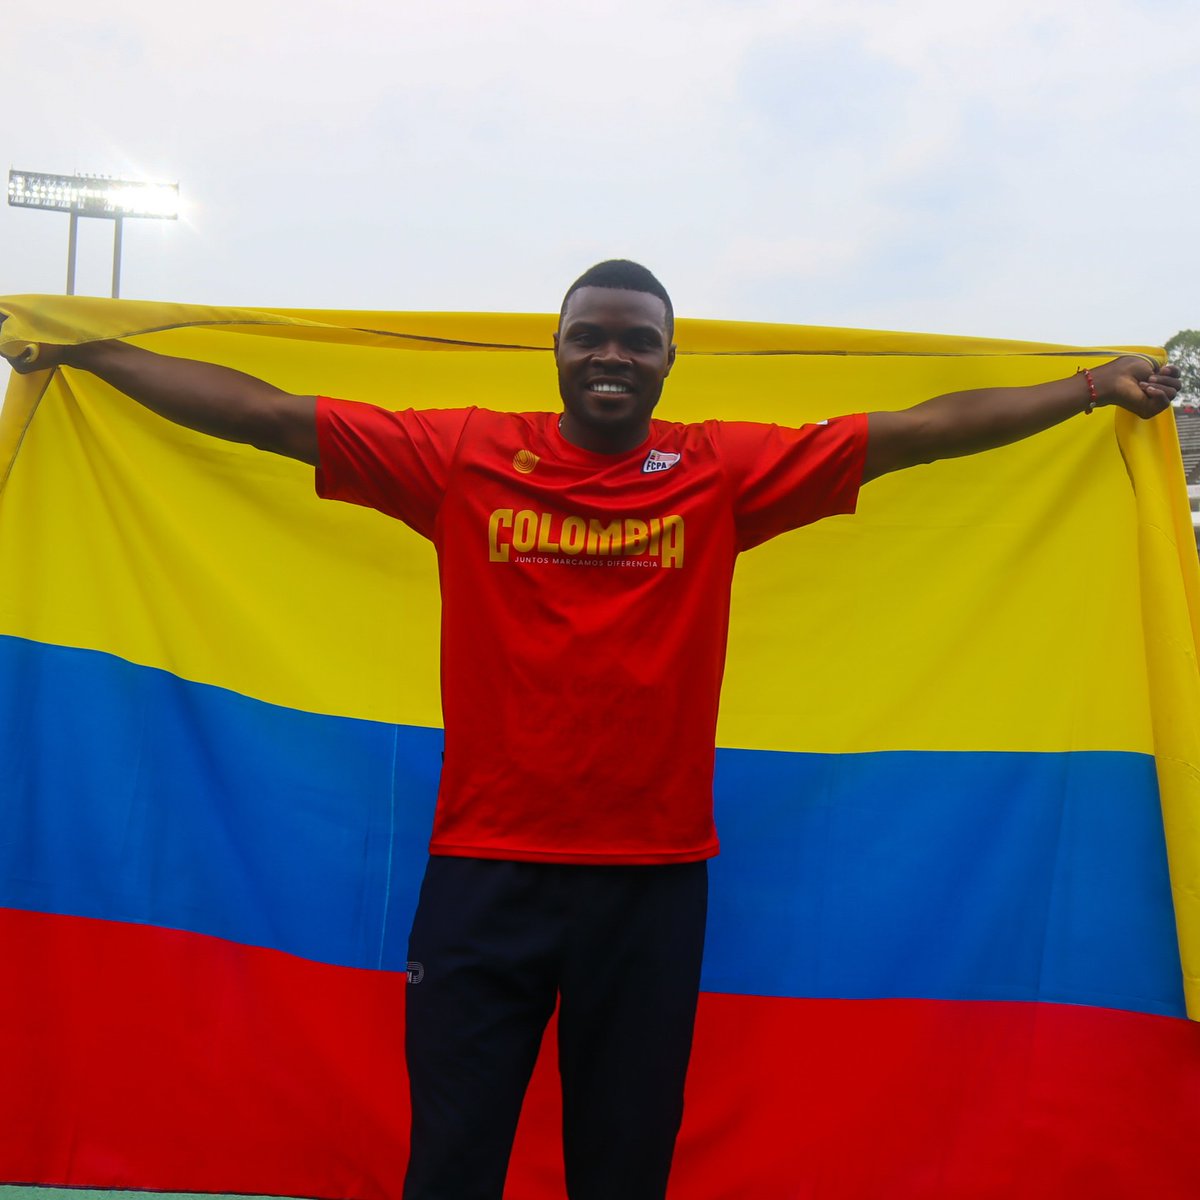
{"x":585,"y":607}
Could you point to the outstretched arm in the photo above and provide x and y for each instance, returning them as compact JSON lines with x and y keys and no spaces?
{"x":961,"y":423}
{"x":211,"y":399}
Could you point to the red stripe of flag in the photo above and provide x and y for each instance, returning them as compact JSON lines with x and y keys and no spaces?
{"x":138,"y":1057}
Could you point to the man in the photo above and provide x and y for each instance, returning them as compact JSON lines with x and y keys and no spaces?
{"x":585,"y":560}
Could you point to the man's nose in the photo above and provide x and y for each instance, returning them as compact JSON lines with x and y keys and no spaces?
{"x":610,"y":351}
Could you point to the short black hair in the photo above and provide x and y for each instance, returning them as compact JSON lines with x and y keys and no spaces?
{"x":622,"y":274}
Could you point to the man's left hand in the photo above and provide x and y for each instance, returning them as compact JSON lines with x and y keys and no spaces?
{"x":1134,"y":384}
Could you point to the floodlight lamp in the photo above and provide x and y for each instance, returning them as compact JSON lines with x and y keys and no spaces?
{"x":93,"y":195}
{"x":144,"y":200}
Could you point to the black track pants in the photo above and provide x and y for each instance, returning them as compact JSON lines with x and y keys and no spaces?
{"x":498,"y":944}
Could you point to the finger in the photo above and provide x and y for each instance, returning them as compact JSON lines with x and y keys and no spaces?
{"x":1166,"y":383}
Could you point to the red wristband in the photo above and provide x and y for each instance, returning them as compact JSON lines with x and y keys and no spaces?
{"x":1091,"y":383}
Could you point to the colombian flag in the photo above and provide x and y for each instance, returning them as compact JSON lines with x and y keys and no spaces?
{"x":954,"y":945}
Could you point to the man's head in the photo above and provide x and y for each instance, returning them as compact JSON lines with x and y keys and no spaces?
{"x":614,"y":351}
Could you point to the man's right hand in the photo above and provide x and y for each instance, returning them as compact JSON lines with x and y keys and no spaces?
{"x":35,"y":357}
{"x":38,"y":356}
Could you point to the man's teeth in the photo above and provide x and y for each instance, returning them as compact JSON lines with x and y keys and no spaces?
{"x":616,"y":388}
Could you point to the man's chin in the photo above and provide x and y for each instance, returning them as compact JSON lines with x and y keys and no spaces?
{"x":614,"y":410}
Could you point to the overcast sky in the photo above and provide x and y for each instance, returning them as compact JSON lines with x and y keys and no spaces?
{"x":1007,"y":168}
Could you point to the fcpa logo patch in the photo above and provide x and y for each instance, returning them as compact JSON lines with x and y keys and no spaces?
{"x":658,"y":460}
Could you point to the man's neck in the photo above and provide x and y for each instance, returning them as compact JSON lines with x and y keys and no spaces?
{"x":597,"y":442}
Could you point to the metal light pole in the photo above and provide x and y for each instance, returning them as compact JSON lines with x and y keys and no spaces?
{"x":93,"y":196}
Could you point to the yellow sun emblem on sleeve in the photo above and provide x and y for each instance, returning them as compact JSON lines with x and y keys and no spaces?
{"x":525,"y":460}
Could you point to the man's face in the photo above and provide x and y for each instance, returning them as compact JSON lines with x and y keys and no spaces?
{"x":613,"y":354}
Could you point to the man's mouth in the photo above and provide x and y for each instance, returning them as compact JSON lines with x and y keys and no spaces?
{"x":610,"y":389}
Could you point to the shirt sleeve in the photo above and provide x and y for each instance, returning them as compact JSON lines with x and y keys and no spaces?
{"x":783,"y":478}
{"x":396,"y":462}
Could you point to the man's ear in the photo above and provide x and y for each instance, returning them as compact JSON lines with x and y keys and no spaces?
{"x":670,"y":357}
{"x":556,"y":345}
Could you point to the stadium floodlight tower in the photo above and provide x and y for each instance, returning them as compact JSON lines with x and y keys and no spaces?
{"x":93,"y":196}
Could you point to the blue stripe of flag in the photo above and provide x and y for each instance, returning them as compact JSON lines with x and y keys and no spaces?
{"x":130,"y":795}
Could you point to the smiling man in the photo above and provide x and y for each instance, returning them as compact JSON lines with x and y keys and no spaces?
{"x":586,"y":559}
